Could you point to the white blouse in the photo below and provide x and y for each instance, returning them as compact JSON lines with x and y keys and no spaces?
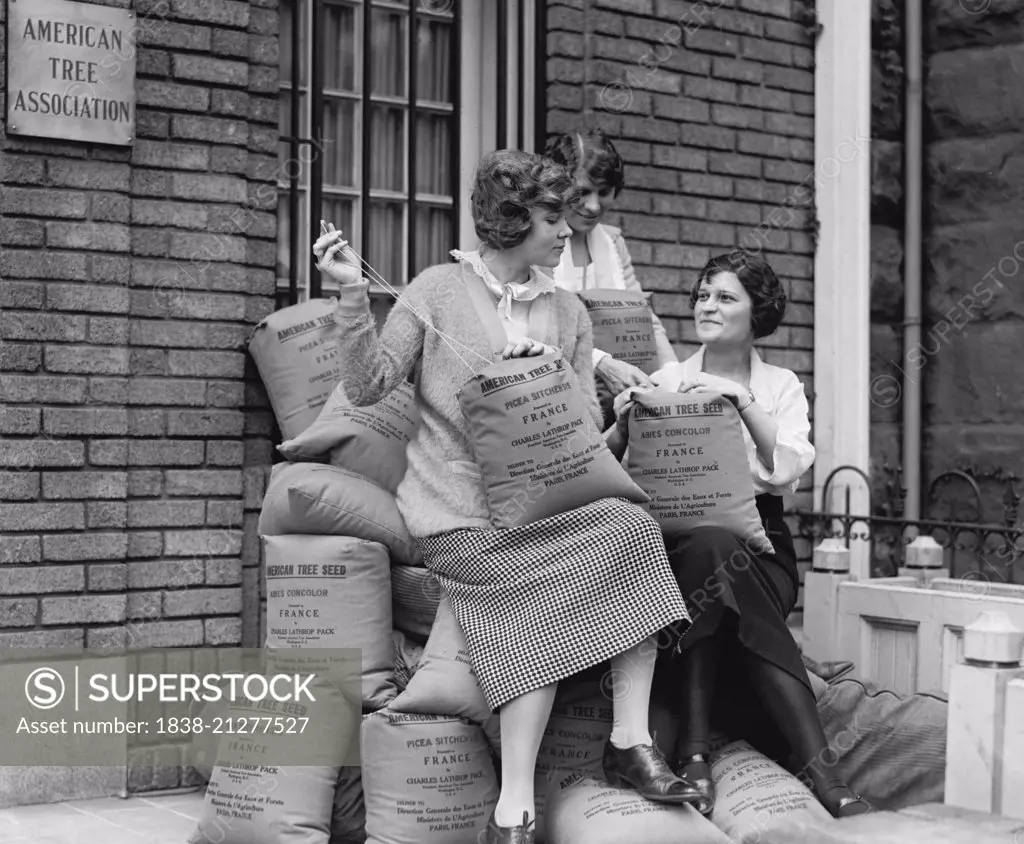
{"x":779,"y":392}
{"x":577,"y":279}
{"x":610,"y":267}
{"x":514,"y":300}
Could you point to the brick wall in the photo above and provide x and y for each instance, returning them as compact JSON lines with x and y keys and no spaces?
{"x":711,"y":105}
{"x":134,"y":441}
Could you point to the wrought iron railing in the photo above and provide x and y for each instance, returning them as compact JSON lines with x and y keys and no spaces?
{"x":989,"y":550}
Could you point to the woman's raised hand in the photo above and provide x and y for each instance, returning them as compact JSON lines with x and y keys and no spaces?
{"x":619,"y":375}
{"x":525,"y":348}
{"x":334,"y":257}
{"x":623,"y":404}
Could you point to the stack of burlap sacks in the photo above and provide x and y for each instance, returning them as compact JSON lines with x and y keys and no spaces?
{"x":343,"y":572}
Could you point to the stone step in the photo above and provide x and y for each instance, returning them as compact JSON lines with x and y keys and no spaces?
{"x":928,"y":824}
{"x":976,"y":820}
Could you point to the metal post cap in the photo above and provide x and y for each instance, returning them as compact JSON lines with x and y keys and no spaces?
{"x":993,"y":639}
{"x":832,"y":555}
{"x":924,"y":553}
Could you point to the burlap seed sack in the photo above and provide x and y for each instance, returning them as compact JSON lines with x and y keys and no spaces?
{"x":297,"y":364}
{"x":369,"y":441}
{"x":248,"y":805}
{"x":415,"y":595}
{"x":348,"y":819}
{"x":890,"y":748}
{"x":538,"y":449}
{"x":583,"y":809}
{"x":427,"y":779}
{"x":445,"y":682}
{"x":317,"y":499}
{"x":688,"y":455}
{"x":574,"y":739}
{"x":260,"y":790}
{"x":624,"y":328}
{"x":333,"y":592}
{"x":756,"y":796}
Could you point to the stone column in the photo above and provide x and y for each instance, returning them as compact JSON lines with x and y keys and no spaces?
{"x":831,"y":569}
{"x":976,"y":760}
{"x":1013,"y":751}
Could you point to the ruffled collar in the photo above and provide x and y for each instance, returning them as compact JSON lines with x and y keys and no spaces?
{"x":536,"y":285}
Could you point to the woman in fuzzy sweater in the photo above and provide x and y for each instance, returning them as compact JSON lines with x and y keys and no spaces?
{"x":542,"y":601}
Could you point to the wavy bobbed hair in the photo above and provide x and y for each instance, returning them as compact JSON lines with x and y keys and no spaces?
{"x":767,"y":297}
{"x":508,"y":186}
{"x":592,"y":152}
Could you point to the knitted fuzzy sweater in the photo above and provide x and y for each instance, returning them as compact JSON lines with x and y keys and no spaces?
{"x":442,"y":488}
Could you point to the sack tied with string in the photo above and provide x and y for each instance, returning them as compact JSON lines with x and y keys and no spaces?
{"x":550,"y":441}
{"x":444,"y":682}
{"x":582,"y":808}
{"x":427,"y":779}
{"x":756,"y":797}
{"x":688,"y":455}
{"x":297,"y":364}
{"x":322,"y":500}
{"x":623,"y":325}
{"x":278,"y":784}
{"x":370,"y":441}
{"x":539,"y":452}
{"x":333,"y":592}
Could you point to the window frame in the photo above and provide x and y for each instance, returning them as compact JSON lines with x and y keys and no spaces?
{"x":304,"y":183}
{"x":500,"y":68}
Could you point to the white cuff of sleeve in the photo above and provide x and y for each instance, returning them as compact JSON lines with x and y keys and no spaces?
{"x":787,"y":467}
{"x":353,"y":299}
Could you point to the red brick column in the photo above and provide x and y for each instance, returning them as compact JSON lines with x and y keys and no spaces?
{"x":134,"y":442}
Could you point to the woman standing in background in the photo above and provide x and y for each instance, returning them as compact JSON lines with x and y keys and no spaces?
{"x":597,"y":256}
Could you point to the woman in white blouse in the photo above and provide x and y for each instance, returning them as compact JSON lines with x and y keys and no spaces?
{"x":739,"y":649}
{"x":596,"y":256}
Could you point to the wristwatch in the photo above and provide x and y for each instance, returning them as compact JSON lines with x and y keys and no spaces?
{"x":751,"y":398}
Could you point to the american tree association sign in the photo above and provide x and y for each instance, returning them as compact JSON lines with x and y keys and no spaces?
{"x":70,"y":71}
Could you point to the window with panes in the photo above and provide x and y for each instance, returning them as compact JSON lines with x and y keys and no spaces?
{"x":369,"y":135}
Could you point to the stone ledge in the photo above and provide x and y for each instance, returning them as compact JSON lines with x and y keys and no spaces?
{"x":971,"y":818}
{"x":28,"y":786}
{"x":933,"y":823}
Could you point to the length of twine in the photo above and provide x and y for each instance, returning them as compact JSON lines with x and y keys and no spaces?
{"x":447,"y":339}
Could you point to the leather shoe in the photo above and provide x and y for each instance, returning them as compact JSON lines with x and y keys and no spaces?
{"x":697,"y":764}
{"x":847,"y":806}
{"x":645,"y":770}
{"x":495,"y":834}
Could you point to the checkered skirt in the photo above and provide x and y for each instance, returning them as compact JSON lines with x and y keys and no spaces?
{"x":543,"y":601}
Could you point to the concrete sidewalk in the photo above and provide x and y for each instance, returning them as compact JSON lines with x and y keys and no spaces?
{"x":172,"y":820}
{"x":109,"y":820}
